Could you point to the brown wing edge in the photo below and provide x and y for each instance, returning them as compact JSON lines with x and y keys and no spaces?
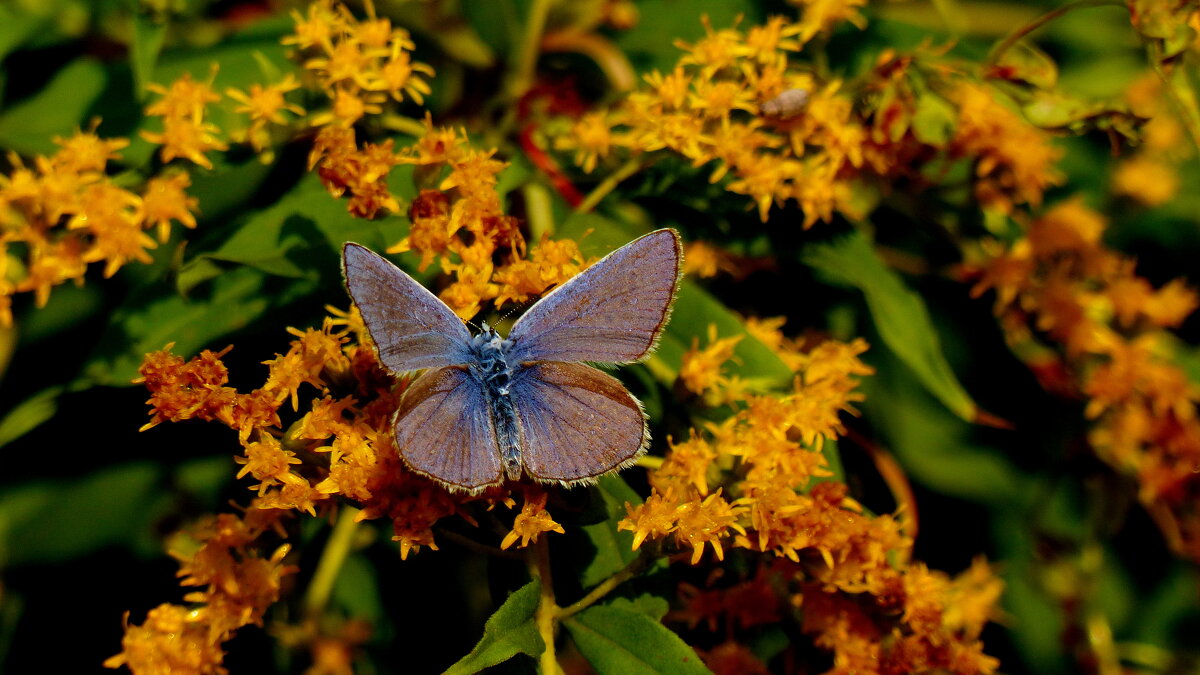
{"x":619,"y":389}
{"x":439,"y":480}
{"x":666,"y":315}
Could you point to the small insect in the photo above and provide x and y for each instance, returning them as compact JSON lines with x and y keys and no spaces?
{"x":788,"y":104}
{"x":489,"y":408}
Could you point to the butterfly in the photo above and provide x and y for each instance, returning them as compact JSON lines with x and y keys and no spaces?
{"x":489,"y":408}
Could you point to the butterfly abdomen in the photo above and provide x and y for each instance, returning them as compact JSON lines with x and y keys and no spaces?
{"x":496,"y":375}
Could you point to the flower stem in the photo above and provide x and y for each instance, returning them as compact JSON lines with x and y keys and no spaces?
{"x":535,"y":25}
{"x":402,"y":124}
{"x":544,"y":618}
{"x":332,"y":558}
{"x":998,"y":51}
{"x":1186,"y":113}
{"x":631,"y":570}
{"x":609,"y":184}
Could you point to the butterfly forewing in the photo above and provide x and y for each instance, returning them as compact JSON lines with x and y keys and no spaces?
{"x":576,"y":422}
{"x":444,"y":430}
{"x":613,"y":312}
{"x":411,"y":327}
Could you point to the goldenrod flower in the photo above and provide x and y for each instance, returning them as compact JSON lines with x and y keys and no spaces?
{"x":164,"y":200}
{"x":532,"y":521}
{"x":185,"y":133}
{"x":820,"y":16}
{"x":265,"y":105}
{"x":700,"y":371}
{"x":550,"y":263}
{"x":1015,"y":160}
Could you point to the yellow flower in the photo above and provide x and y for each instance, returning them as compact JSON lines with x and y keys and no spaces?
{"x":265,"y":105}
{"x":1147,"y":180}
{"x":319,"y":27}
{"x":654,"y":518}
{"x":173,"y":640}
{"x":706,"y":522}
{"x":398,"y":76}
{"x":85,"y":151}
{"x":186,"y":138}
{"x":113,"y":216}
{"x":700,"y":371}
{"x":591,"y":137}
{"x":164,"y":200}
{"x":716,"y":51}
{"x":184,"y":99}
{"x":236,"y":584}
{"x":532,"y":521}
{"x":268,"y":462}
{"x":1015,"y":160}
{"x":686,"y":467}
{"x":822,"y":15}
{"x":551,"y":263}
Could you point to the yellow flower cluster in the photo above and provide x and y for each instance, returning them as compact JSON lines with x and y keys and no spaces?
{"x":844,"y":567}
{"x":340,"y":446}
{"x":63,"y":212}
{"x":700,"y":370}
{"x":461,"y":223}
{"x":1150,"y":175}
{"x":188,"y":134}
{"x":1062,"y":281}
{"x":185,"y":133}
{"x":1014,"y":164}
{"x":779,"y":133}
{"x":360,"y":64}
{"x":221,"y":556}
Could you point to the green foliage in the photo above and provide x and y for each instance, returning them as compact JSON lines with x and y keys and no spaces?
{"x":899,"y":314}
{"x":617,"y":640}
{"x":510,"y":631}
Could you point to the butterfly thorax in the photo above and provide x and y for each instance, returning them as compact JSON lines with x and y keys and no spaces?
{"x":496,"y":374}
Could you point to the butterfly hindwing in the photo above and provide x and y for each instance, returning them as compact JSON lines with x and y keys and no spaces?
{"x":411,"y":327}
{"x":612,"y":312}
{"x":576,"y":422}
{"x":444,"y":429}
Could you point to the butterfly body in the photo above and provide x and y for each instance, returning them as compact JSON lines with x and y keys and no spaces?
{"x":488,"y":408}
{"x":495,"y":376}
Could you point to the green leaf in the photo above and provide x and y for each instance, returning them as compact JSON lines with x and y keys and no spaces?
{"x":29,"y":414}
{"x":356,"y":590}
{"x":283,"y":239}
{"x":148,"y":36}
{"x":647,"y":604}
{"x":1024,"y":62}
{"x":695,"y":310}
{"x":617,"y":640}
{"x":52,"y":522}
{"x":899,"y":314}
{"x":1166,"y":612}
{"x":21,"y":21}
{"x":498,"y":24}
{"x":933,"y":445}
{"x":614,"y":548}
{"x":510,"y":631}
{"x":151,"y":318}
{"x":934,"y":120}
{"x":57,"y":110}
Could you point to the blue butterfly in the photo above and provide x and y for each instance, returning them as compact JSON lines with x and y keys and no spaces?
{"x":489,"y":408}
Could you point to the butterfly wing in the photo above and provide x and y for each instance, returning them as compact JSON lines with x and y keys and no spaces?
{"x":410,"y":326}
{"x":576,"y":422}
{"x":444,"y":430}
{"x":612,"y":312}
